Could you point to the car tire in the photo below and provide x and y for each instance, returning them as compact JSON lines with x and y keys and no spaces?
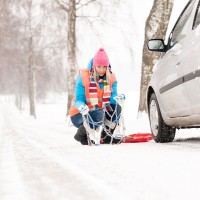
{"x":161,"y":132}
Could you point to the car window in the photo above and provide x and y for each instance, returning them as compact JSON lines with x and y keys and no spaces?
{"x":197,"y":19}
{"x":181,"y":28}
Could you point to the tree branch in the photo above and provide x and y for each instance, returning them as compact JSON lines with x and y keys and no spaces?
{"x":85,"y":4}
{"x":62,"y":5}
{"x":78,"y":2}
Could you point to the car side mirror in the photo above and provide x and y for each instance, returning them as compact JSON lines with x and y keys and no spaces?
{"x":157,"y":45}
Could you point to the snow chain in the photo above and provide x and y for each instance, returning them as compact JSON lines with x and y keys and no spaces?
{"x":117,"y":124}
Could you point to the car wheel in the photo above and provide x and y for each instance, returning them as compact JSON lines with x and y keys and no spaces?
{"x":161,"y":132}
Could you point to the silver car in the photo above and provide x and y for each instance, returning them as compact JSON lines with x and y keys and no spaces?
{"x":173,"y":93}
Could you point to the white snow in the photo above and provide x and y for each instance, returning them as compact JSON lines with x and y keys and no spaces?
{"x":40,"y":160}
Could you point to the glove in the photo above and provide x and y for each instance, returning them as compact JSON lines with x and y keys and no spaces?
{"x":83,"y":109}
{"x":119,"y":97}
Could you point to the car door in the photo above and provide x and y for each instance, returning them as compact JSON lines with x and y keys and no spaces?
{"x":167,"y":75}
{"x":173,"y":97}
{"x":190,"y":65}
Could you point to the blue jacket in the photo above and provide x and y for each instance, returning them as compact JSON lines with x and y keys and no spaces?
{"x":80,"y":90}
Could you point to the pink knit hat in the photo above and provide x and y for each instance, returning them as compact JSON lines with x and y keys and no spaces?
{"x":101,"y":58}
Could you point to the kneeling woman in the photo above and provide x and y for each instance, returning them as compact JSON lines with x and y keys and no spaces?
{"x":95,"y":88}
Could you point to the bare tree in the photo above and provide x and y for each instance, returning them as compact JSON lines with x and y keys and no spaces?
{"x":41,"y":48}
{"x":31,"y":70}
{"x":10,"y":50}
{"x":156,"y":26}
{"x":71,"y":8}
{"x":71,"y":47}
{"x":31,"y":50}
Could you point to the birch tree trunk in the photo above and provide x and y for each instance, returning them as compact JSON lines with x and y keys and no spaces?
{"x":31,"y":80}
{"x":31,"y":70}
{"x":156,"y":27}
{"x":71,"y":46}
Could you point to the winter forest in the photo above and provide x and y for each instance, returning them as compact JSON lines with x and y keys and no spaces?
{"x":43,"y":45}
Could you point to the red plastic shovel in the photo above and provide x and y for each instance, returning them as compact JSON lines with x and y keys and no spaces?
{"x":138,"y":137}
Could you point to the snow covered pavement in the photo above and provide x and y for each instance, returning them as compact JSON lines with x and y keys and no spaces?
{"x":39,"y":160}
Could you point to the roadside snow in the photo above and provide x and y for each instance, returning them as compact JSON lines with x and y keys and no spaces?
{"x":39,"y":159}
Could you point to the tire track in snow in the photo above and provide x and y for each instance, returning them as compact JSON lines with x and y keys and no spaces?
{"x":47,"y":174}
{"x":11,"y":184}
{"x":89,"y":186}
{"x":45,"y":178}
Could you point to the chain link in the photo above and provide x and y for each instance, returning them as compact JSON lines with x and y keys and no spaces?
{"x":95,"y":131}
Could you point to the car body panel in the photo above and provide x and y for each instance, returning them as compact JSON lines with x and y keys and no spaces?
{"x":191,"y":74}
{"x":176,"y":77}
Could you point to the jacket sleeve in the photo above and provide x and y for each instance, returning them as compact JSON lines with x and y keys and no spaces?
{"x":80,"y":93}
{"x":114,"y":93}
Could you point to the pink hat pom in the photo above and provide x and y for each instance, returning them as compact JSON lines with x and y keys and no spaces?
{"x":101,"y":58}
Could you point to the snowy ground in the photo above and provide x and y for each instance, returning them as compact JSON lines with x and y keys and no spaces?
{"x":40,"y":160}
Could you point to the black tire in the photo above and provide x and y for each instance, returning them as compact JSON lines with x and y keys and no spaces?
{"x":161,"y":132}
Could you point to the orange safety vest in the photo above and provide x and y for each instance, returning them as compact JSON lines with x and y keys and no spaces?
{"x":86,"y":81}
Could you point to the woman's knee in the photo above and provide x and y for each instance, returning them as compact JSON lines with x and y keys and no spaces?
{"x":77,"y":120}
{"x":97,"y":115}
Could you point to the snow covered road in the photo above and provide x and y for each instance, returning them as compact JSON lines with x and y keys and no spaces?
{"x":40,"y":160}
